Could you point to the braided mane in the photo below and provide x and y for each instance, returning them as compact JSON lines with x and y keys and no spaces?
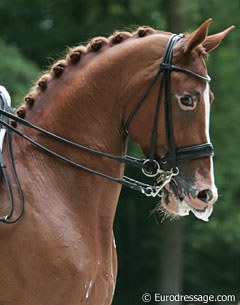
{"x":73,"y":57}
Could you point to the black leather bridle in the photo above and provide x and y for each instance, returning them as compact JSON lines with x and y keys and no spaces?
{"x":164,"y":168}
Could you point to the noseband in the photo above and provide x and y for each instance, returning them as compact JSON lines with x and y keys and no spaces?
{"x":163,"y":168}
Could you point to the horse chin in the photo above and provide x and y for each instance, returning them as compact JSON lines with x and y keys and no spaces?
{"x":175,"y":206}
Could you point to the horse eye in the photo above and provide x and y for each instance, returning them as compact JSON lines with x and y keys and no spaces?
{"x":187,"y":101}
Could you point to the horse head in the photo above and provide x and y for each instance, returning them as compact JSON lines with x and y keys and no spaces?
{"x":192,"y":187}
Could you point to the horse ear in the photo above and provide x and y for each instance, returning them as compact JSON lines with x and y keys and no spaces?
{"x":197,"y":37}
{"x":213,"y":41}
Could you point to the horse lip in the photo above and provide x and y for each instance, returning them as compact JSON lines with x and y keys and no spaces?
{"x":202,"y":214}
{"x":183,"y":208}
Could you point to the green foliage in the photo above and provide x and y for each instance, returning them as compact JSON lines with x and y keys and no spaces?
{"x":51,"y":26}
{"x":16,"y":72}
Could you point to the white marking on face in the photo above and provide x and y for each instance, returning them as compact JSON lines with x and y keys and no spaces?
{"x":207,"y":111}
{"x":206,"y":97}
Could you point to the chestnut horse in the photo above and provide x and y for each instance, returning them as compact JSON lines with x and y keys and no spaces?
{"x":62,"y":251}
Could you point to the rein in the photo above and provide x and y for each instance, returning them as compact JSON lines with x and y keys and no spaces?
{"x":165,"y":168}
{"x":5,"y":103}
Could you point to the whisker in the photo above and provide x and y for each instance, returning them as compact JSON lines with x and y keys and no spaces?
{"x":160,"y":212}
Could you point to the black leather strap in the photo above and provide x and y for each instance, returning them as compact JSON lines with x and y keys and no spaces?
{"x":195,"y":151}
{"x":126,"y":181}
{"x":129,"y":160}
{"x":140,"y":102}
{"x":168,"y":66}
{"x":191,"y":152}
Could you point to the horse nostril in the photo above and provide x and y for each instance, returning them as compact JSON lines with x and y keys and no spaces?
{"x":205,"y":195}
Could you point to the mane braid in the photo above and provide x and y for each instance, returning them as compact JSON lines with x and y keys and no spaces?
{"x":96,"y":44}
{"x":74,"y":54}
{"x":118,"y":37}
{"x":73,"y":57}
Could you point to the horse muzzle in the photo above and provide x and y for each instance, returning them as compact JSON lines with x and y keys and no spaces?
{"x":199,"y":201}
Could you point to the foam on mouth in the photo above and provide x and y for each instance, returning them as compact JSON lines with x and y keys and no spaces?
{"x":203,"y":215}
{"x":184,"y":208}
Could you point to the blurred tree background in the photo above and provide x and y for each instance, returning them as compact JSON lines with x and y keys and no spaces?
{"x":186,"y":255}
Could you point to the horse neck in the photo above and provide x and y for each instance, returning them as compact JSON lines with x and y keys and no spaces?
{"x":85,"y":105}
